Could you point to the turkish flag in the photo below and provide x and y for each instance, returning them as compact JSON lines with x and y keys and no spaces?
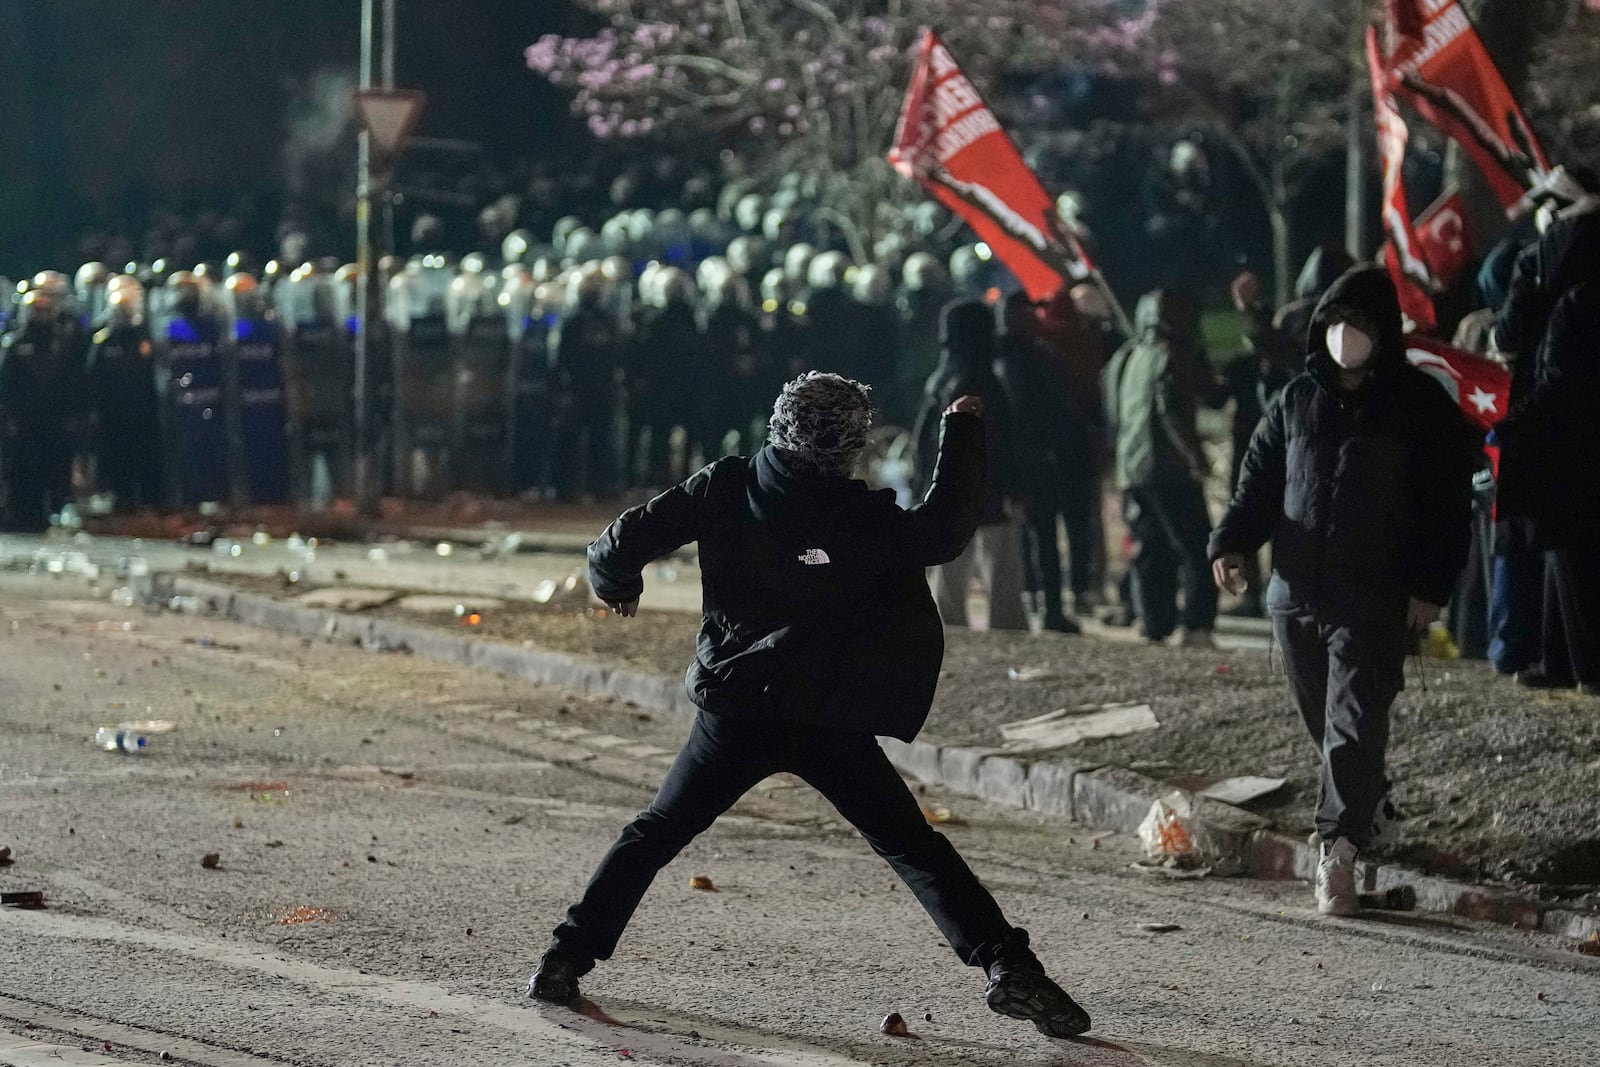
{"x":1438,"y":63}
{"x":1445,"y":238}
{"x":1479,"y":386}
{"x":951,"y":142}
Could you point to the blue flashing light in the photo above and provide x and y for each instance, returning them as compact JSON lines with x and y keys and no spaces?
{"x":182,"y":330}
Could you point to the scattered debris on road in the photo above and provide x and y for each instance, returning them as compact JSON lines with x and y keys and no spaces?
{"x":1170,"y":870}
{"x":304,"y":914}
{"x":31,"y":899}
{"x":1069,"y":726}
{"x":703,"y":883}
{"x":211,"y":860}
{"x":1160,"y":928}
{"x":1168,"y":830}
{"x":1590,"y":946}
{"x":939,"y":815}
{"x":1242,"y":790}
{"x":1398,"y":898}
{"x":894,"y":1025}
{"x":5,"y":856}
{"x":1030,"y":674}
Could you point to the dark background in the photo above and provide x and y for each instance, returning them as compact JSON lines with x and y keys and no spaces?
{"x":108,"y":107}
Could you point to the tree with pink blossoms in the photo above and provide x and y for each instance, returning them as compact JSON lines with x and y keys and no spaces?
{"x":808,"y":87}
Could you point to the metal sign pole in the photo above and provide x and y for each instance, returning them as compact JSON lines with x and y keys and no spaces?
{"x":363,"y":272}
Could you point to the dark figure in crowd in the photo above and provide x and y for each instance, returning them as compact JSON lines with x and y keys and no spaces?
{"x":669,"y":379}
{"x":41,"y":397}
{"x":1251,"y":381}
{"x":819,"y":633}
{"x":587,"y":350}
{"x":966,"y":368}
{"x":1077,"y":354}
{"x":1537,"y":498}
{"x":1050,"y":441}
{"x":736,"y":389}
{"x":1153,"y":387}
{"x":1360,"y":475}
{"x":1516,"y":581}
{"x":1324,"y":266}
{"x":126,"y":404}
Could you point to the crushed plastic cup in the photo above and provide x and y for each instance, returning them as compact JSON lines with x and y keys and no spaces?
{"x":1169,"y":829}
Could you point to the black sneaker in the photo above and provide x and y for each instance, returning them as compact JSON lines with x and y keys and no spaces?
{"x":556,"y":980}
{"x":1538,"y":679}
{"x":1018,"y":987}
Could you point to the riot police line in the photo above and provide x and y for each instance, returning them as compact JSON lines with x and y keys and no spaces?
{"x":555,"y":375}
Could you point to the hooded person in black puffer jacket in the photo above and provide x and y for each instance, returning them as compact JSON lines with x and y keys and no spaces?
{"x":819,"y":633}
{"x":1360,"y":474}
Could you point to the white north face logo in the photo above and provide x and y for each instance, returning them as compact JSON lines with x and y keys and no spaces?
{"x":813,"y":556}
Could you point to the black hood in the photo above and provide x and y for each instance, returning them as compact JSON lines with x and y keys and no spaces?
{"x":1370,"y":291}
{"x":966,"y":345}
{"x":782,"y":492}
{"x":1326,"y":264}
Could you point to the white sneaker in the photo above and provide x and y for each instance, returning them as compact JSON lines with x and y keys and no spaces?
{"x":1336,"y":879}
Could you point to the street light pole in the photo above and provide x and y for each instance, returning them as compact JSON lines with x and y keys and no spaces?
{"x":389,"y":31}
{"x":363,"y":471}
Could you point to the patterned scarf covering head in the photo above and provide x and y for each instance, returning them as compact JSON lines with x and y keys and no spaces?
{"x":821,"y":421}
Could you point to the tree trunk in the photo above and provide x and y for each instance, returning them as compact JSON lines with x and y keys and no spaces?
{"x":1355,"y":174}
{"x":1280,"y":252}
{"x":1278,"y":216}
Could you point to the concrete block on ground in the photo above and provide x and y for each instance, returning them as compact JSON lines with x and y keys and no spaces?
{"x":1114,"y":798}
{"x":1049,"y":787}
{"x":1003,"y":780}
{"x":920,"y":759}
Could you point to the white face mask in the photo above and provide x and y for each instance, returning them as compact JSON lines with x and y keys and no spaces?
{"x":1349,"y":347}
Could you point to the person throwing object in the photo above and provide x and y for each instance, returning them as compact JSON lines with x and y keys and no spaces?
{"x":819,"y":633}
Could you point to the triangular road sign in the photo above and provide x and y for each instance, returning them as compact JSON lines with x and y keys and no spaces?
{"x":389,"y":116}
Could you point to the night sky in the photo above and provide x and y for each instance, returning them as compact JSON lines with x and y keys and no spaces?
{"x":109,"y":105}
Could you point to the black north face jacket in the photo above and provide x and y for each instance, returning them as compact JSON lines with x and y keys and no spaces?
{"x":1366,"y":496}
{"x":815,"y":600}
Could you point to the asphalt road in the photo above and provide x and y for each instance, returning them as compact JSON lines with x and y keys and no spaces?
{"x":428,"y":825}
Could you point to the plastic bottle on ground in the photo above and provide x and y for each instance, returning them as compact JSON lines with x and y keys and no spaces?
{"x":120,"y":739}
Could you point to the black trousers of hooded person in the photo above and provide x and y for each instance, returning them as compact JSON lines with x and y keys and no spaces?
{"x":1170,"y":528}
{"x":724,"y":757}
{"x":1572,"y":615}
{"x":1344,"y":680}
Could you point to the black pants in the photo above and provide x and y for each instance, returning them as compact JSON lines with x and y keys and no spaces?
{"x":723,"y":759}
{"x":1572,"y":615}
{"x":1344,"y":680}
{"x":40,"y":469}
{"x":1170,"y":527}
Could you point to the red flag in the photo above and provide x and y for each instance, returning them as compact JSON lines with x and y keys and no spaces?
{"x":1438,"y":62}
{"x":951,"y":142}
{"x":1479,"y":385}
{"x":1445,"y":238}
{"x":1401,"y":254}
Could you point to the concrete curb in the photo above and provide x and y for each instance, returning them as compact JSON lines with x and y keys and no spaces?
{"x":1110,"y":797}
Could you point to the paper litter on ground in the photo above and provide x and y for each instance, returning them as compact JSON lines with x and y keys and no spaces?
{"x":1242,"y":790}
{"x":1068,"y":726}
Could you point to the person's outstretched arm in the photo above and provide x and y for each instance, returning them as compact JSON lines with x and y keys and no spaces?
{"x":642,"y":535}
{"x":938,"y":529}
